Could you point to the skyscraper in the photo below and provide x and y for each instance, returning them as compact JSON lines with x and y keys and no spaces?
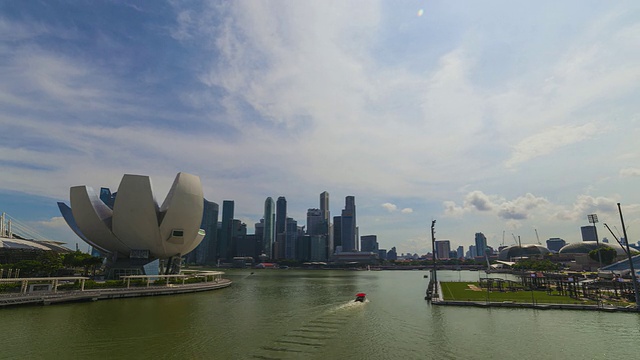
{"x":324,"y":206}
{"x":281,"y":215}
{"x":206,"y":252}
{"x":269,"y":227}
{"x":225,"y":244}
{"x":209,"y":225}
{"x":588,"y":233}
{"x":315,"y":222}
{"x":291,"y":237}
{"x":326,"y":223}
{"x":259,"y":237}
{"x":337,"y":234}
{"x":281,"y":228}
{"x":348,"y":231}
{"x":481,"y":244}
{"x":369,"y":243}
{"x":443,"y":247}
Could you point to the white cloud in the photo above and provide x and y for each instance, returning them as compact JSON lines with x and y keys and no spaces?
{"x":586,"y":204}
{"x":54,"y":222}
{"x":389,"y":207}
{"x":548,"y":141}
{"x":630,"y":172}
{"x":479,"y":201}
{"x":283,"y":97}
{"x":393,"y":208}
{"x":519,"y":208}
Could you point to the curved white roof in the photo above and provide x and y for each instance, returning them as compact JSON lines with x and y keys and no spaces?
{"x":14,"y":243}
{"x":136,"y":222}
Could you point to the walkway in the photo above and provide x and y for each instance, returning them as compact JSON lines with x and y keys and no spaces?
{"x":47,"y":298}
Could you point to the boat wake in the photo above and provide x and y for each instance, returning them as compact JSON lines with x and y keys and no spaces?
{"x":349,"y":305}
{"x":308,"y":339}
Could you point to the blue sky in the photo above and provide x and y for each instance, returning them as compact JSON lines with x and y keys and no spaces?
{"x":492,"y":116}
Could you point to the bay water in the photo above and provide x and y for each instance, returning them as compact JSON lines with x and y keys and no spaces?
{"x":310,"y":314}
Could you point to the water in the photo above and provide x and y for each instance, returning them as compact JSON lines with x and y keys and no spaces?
{"x":292,"y":314}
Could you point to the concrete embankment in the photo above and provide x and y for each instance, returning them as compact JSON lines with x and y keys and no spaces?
{"x":533,"y":306}
{"x":104,"y":294}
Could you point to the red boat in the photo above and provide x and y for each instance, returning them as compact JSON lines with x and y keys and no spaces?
{"x":360,"y":297}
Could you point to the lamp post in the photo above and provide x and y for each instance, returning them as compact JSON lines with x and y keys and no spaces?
{"x":433,"y":247}
{"x":593,"y":219}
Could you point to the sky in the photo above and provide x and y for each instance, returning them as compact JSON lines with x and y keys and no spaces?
{"x":501,"y":117}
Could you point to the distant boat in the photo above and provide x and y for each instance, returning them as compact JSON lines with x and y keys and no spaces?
{"x":360,"y":297}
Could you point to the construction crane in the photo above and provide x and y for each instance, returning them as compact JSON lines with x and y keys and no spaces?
{"x":537,"y":237}
{"x":502,"y":238}
{"x":514,"y":239}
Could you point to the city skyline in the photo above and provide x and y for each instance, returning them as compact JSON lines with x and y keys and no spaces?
{"x":489,"y":117}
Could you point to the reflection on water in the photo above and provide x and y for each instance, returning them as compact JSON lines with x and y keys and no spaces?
{"x":290,"y":314}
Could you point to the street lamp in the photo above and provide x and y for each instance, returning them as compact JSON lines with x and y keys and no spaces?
{"x":433,"y":247}
{"x":593,"y":219}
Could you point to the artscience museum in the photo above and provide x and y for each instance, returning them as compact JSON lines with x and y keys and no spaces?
{"x":129,"y":227}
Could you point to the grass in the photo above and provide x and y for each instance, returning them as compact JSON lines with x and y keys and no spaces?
{"x":460,"y":291}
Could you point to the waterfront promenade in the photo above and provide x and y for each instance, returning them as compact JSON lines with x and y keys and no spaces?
{"x":56,"y":297}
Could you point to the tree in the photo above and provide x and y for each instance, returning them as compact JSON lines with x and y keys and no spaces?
{"x":78,"y":259}
{"x":607,"y":254}
{"x":50,"y":262}
{"x":536,"y":265}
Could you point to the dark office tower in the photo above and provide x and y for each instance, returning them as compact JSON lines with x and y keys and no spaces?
{"x":443,"y":248}
{"x":269,"y":236}
{"x":315,"y":222}
{"x":281,"y":215}
{"x":281,"y":227}
{"x":279,"y":245}
{"x":303,"y":248}
{"x":326,"y":223}
{"x":369,"y":243}
{"x":337,"y":233}
{"x":238,"y":234}
{"x":481,"y":244}
{"x":206,"y":252}
{"x":324,"y":207}
{"x":259,"y":237}
{"x":392,"y":254}
{"x":225,"y":249}
{"x":348,"y":232}
{"x":589,"y":233}
{"x":291,"y":236}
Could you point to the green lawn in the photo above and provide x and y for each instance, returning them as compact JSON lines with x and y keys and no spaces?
{"x":460,"y":291}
